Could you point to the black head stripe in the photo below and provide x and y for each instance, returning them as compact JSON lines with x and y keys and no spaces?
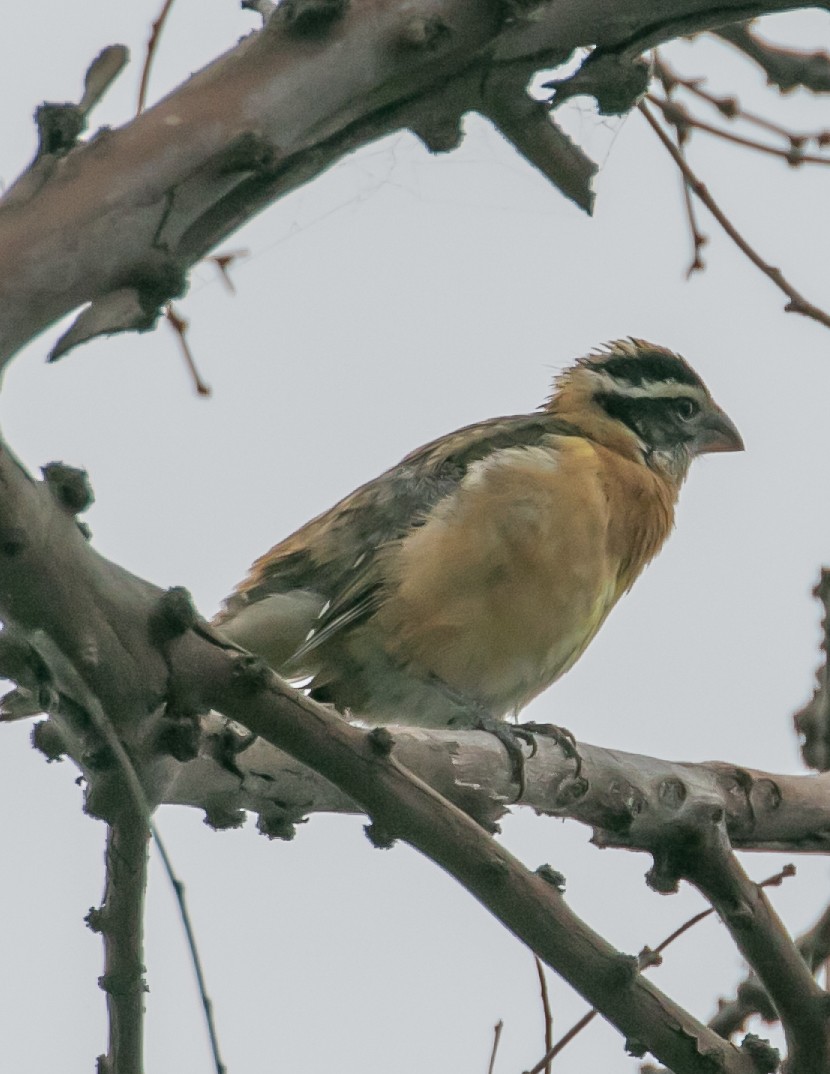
{"x":654,"y":420}
{"x":647,"y":366}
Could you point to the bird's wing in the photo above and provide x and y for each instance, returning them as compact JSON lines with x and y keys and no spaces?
{"x":338,"y":554}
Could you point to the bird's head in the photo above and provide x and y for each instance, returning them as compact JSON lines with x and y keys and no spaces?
{"x":644,"y":401}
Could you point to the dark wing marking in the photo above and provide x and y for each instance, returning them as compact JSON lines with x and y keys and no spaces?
{"x":336,"y":554}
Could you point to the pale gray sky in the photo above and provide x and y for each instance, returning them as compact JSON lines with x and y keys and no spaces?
{"x":398,"y":297}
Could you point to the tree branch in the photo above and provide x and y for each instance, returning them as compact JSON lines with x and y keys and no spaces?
{"x":401,"y":806}
{"x":698,"y":850}
{"x":785,"y":68}
{"x":201,"y":671}
{"x":121,"y":924}
{"x":114,"y":224}
{"x":813,"y":721}
{"x":625,"y":797}
{"x":751,"y":997}
{"x":797,"y":302}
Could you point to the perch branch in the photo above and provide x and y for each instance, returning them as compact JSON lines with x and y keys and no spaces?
{"x":402,"y":806}
{"x":46,"y":587}
{"x":764,"y":811}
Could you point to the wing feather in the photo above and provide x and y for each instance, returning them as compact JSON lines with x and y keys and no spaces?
{"x":339,"y":554}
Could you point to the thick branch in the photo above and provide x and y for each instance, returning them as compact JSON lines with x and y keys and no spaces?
{"x":201,"y":672}
{"x":626,"y":798}
{"x":404,"y":807}
{"x":118,"y":221}
{"x":700,"y":852}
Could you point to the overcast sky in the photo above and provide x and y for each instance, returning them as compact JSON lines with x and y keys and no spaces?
{"x":398,"y":297}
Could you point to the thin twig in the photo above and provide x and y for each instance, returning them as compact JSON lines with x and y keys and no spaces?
{"x":152,"y":46}
{"x":797,"y":303}
{"x":180,"y":327}
{"x":649,"y":956}
{"x":679,"y":117}
{"x":731,"y":108}
{"x":699,"y":240}
{"x":497,"y":1028}
{"x":178,"y":889}
{"x":543,"y":991}
{"x":223,"y":262}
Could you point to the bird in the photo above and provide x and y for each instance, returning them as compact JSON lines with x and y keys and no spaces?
{"x":459,"y":584}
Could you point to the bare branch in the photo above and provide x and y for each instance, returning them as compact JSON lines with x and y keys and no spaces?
{"x":152,"y":46}
{"x":121,"y":924}
{"x":813,"y":721}
{"x":699,"y":240}
{"x":647,"y":957}
{"x":102,"y":72}
{"x":529,"y":127}
{"x":797,"y":302}
{"x":785,"y":68}
{"x":751,"y":997}
{"x":254,"y":125}
{"x":118,"y":926}
{"x":180,"y":327}
{"x":700,"y":853}
{"x":730,"y":108}
{"x":207,"y":1005}
{"x":546,"y":1012}
{"x":497,"y":1028}
{"x":682,"y":119}
{"x":223,"y":263}
{"x":402,"y":806}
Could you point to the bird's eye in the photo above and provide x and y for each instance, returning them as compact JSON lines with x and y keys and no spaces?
{"x":685,"y":408}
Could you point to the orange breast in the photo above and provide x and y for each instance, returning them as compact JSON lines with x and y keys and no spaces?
{"x":499,"y":592}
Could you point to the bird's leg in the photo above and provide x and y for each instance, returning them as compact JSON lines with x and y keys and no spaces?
{"x":511,"y":737}
{"x":477,"y":716}
{"x":563,"y":738}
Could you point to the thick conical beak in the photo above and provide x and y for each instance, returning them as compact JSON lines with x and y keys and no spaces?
{"x":716,"y":432}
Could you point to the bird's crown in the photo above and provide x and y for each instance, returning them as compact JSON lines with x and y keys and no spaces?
{"x":627,"y":365}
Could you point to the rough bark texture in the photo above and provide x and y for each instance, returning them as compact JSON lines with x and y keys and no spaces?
{"x":118,"y":221}
{"x":114,"y":224}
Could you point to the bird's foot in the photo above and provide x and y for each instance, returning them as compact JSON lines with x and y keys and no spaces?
{"x":512,"y":736}
{"x":563,"y":738}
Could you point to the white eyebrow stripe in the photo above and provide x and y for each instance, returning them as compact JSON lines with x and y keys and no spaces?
{"x":652,"y":389}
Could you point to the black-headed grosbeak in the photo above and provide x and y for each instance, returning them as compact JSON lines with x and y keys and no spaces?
{"x":465,"y":580}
